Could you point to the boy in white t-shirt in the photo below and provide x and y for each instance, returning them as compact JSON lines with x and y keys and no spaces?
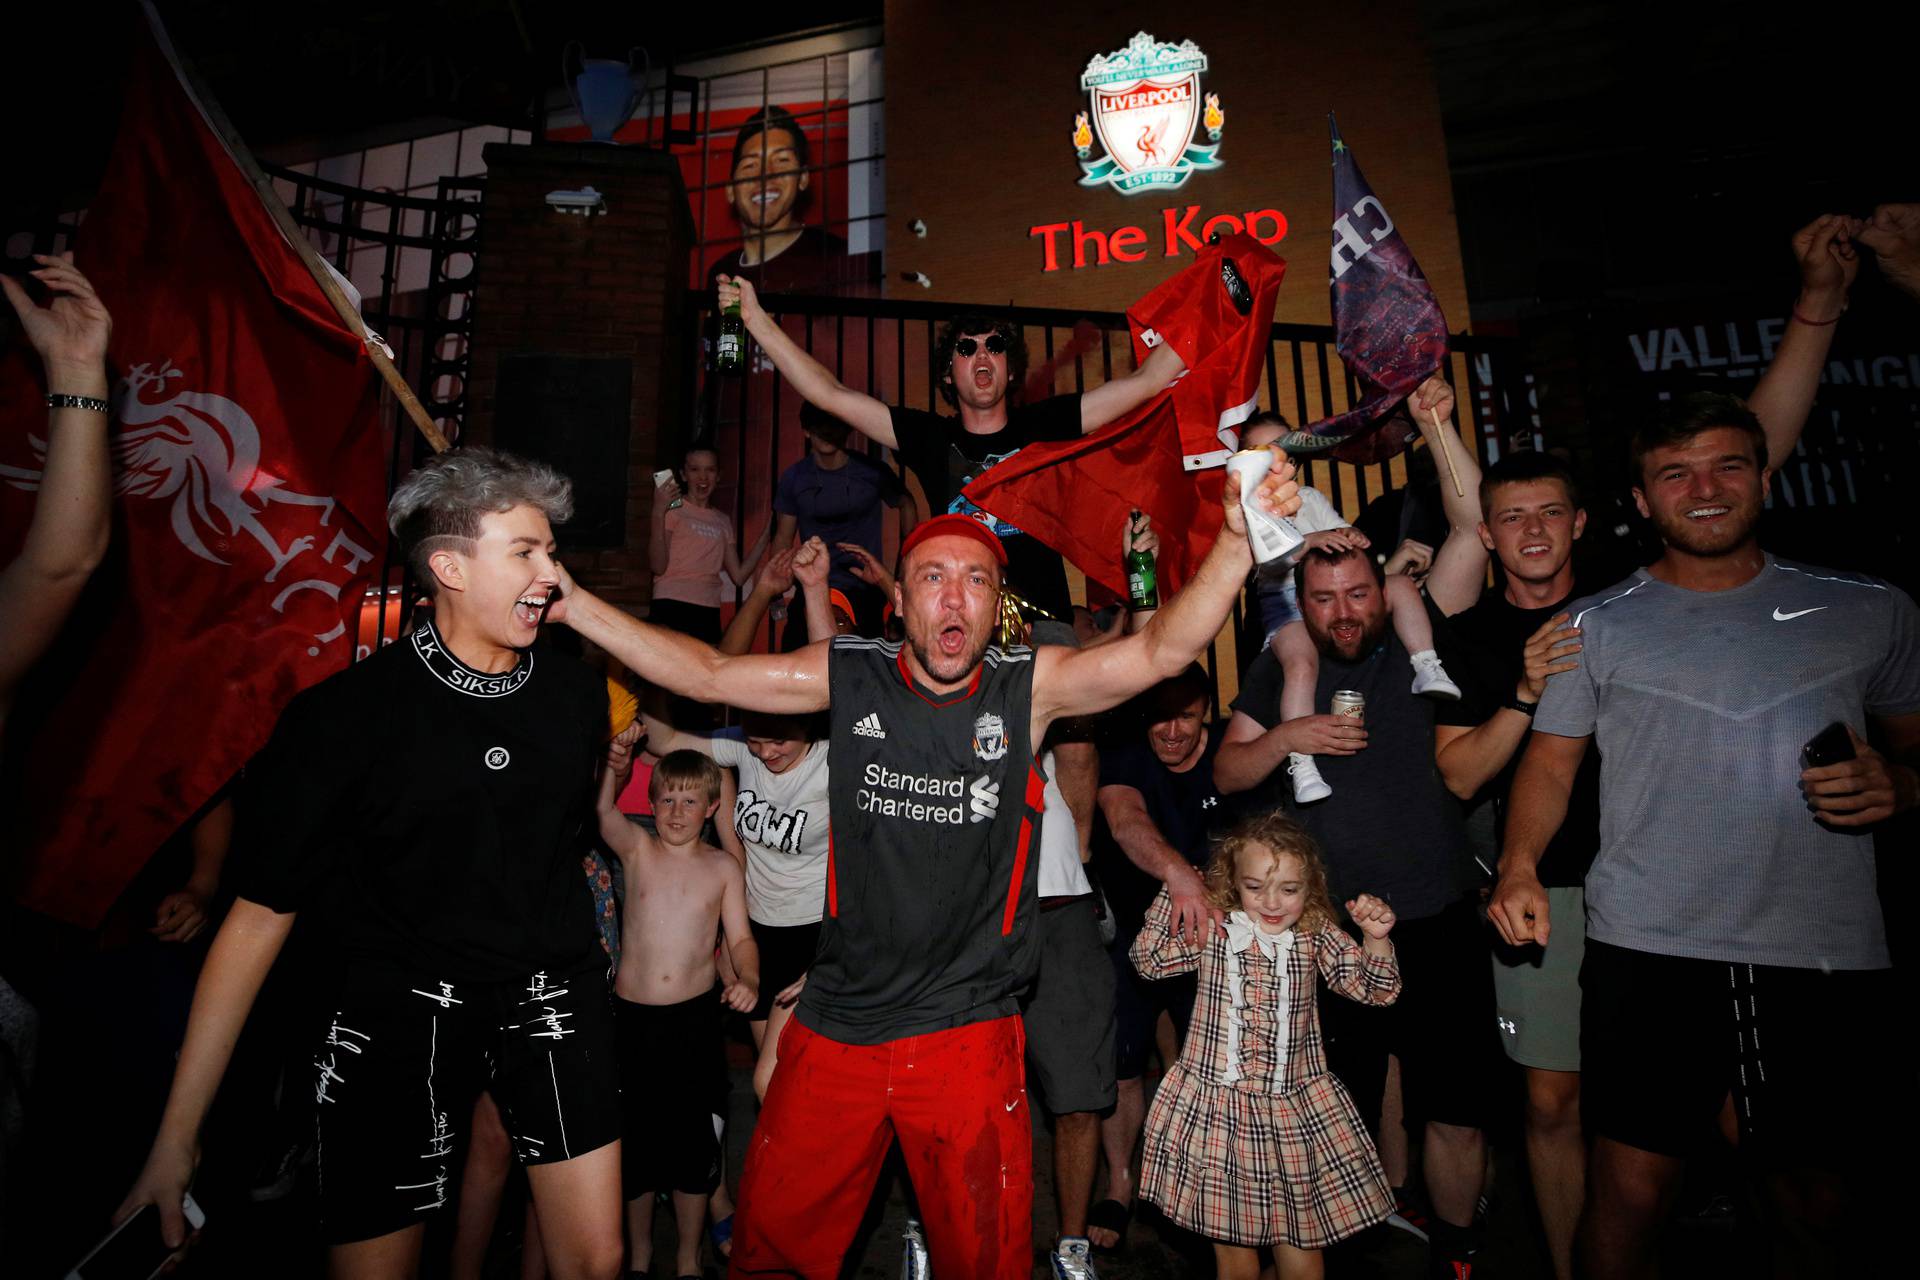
{"x":1287,"y":634}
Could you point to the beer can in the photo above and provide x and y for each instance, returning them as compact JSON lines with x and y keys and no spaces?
{"x":1349,"y":702}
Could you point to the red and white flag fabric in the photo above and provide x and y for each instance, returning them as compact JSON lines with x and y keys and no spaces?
{"x":249,"y":474}
{"x":1166,"y":457}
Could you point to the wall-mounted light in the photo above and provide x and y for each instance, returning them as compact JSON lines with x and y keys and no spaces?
{"x":586,"y":202}
{"x":918,"y":228}
{"x":917,"y":277}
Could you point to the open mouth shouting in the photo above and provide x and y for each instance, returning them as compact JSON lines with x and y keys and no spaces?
{"x":530,"y":608}
{"x":1535,"y":550}
{"x":951,"y":639}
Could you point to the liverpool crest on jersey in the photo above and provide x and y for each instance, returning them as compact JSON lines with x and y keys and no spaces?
{"x":1146,"y":105}
{"x":989,"y":737}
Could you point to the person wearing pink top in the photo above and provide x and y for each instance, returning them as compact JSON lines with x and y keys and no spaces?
{"x":693,"y":542}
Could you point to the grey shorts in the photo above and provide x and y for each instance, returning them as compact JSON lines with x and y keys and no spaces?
{"x":1536,"y":991}
{"x":1069,"y":1014}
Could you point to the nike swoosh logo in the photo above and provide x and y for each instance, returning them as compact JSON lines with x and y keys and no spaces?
{"x":1789,"y":617}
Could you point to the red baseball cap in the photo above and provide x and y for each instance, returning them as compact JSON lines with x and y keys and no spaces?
{"x":955,"y":525}
{"x":837,"y":599}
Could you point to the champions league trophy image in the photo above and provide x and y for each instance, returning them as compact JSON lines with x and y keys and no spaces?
{"x":604,"y":91}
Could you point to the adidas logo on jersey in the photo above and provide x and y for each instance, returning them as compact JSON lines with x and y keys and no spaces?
{"x":868,"y":726}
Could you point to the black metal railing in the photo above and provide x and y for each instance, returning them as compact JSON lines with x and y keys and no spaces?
{"x":394,"y":241}
{"x":887,"y":348}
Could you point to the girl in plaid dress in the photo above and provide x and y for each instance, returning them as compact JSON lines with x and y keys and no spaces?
{"x":1251,"y":1142}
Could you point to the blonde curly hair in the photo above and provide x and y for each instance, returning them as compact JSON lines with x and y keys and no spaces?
{"x":1272,"y":833}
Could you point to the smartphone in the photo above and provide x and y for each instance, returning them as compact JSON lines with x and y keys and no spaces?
{"x":1832,"y":745}
{"x":660,"y":478}
{"x":134,"y":1250}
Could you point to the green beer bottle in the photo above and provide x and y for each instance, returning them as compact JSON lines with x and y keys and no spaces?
{"x":729,"y":353}
{"x":1143,"y":589}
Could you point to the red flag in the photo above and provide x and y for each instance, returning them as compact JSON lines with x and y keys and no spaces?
{"x":1165,"y":457}
{"x":250,"y":481}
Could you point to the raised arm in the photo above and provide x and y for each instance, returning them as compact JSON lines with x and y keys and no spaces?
{"x":1536,"y":806}
{"x":1784,"y":395}
{"x":618,"y":834}
{"x":811,"y":561}
{"x":1460,"y":566}
{"x":660,"y":540}
{"x":739,"y":567}
{"x":775,"y":576}
{"x":809,"y":377}
{"x":1893,"y":233}
{"x":867,"y":567}
{"x":784,"y":682}
{"x":1117,"y":397}
{"x":67,"y":536}
{"x":237,"y":963}
{"x":1077,"y":682}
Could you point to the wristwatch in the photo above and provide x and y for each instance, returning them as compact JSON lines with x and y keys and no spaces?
{"x":1521,"y":705}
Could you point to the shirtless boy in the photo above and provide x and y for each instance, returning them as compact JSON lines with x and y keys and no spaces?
{"x":680,"y":891}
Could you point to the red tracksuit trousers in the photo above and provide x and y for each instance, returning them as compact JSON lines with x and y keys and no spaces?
{"x":957,"y":1100}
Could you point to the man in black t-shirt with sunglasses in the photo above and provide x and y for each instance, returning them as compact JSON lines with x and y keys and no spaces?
{"x":981,"y":361}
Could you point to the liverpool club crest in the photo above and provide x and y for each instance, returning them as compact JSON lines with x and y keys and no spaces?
{"x":1146,"y":106}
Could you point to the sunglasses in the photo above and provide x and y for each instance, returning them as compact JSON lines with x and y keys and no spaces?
{"x":996,"y":346}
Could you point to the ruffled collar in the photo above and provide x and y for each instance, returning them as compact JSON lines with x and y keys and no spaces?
{"x":1242,"y":934}
{"x":1243,"y":929}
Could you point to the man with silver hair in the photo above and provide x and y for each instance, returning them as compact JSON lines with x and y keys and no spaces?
{"x":426,"y":809}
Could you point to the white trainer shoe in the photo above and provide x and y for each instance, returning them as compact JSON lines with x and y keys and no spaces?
{"x":1308,"y":785}
{"x":1073,"y":1259}
{"x":1431,"y":678}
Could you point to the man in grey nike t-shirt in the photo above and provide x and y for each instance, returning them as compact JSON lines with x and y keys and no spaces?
{"x":1736,"y":955}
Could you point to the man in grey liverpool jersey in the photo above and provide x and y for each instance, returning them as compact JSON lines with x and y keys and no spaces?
{"x":908,"y":1027}
{"x":1736,"y":967}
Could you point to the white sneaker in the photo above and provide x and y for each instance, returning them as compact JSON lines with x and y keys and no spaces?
{"x":1073,"y":1260}
{"x":1430,"y":677}
{"x":1308,"y":785}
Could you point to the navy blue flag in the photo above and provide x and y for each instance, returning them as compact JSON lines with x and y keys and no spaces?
{"x":1387,"y":326}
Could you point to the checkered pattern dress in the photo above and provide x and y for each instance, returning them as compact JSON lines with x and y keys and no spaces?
{"x":1251,"y":1141}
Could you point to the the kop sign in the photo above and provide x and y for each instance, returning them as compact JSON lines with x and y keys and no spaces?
{"x":1146,"y":108}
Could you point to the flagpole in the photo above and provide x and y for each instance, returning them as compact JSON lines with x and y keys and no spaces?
{"x":1446,"y":448}
{"x":295,"y":236}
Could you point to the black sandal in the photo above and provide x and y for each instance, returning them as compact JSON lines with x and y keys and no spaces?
{"x":1109,"y":1215}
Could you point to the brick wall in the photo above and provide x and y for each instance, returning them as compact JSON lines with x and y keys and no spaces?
{"x":611,"y":285}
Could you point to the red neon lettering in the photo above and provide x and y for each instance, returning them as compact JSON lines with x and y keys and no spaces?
{"x":1082,"y":238}
{"x":1050,"y":230}
{"x":1227,"y":220}
{"x":1177,"y":233}
{"x":1279,"y":220}
{"x":1125,"y":239}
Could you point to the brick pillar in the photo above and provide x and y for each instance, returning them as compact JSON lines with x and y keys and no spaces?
{"x":578,"y":343}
